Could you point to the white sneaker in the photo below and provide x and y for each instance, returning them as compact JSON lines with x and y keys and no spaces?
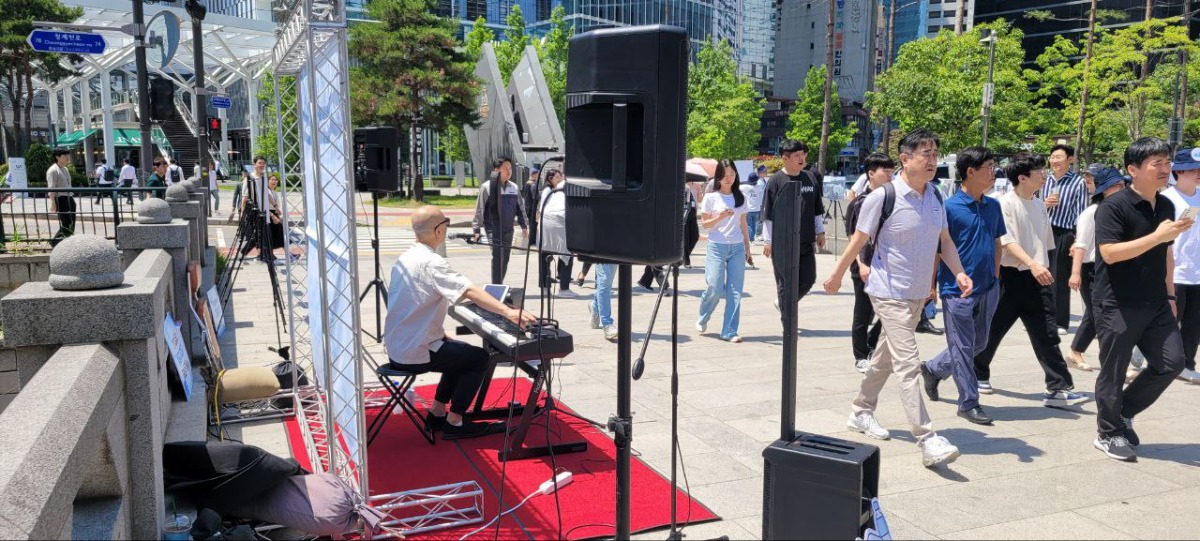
{"x":985,"y":387}
{"x":610,"y":333}
{"x":1137,"y":361}
{"x":1062,"y":331}
{"x":593,"y":317}
{"x":1190,"y":376}
{"x":701,"y":327}
{"x":776,"y":303}
{"x":566,"y":294}
{"x":936,"y":450}
{"x":866,"y":423}
{"x":861,"y":365}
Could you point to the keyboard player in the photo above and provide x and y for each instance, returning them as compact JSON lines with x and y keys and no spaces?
{"x":423,"y":286}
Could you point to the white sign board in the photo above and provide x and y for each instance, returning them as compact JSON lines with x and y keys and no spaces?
{"x":218,"y":313}
{"x":179,"y":354}
{"x":18,"y":176}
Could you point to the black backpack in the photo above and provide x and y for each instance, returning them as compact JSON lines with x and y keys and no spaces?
{"x":109,"y":175}
{"x":889,"y":204}
{"x":176,"y":176}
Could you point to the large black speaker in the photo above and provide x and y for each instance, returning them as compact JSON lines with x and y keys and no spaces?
{"x":817,"y":487}
{"x":375,"y":159}
{"x":626,"y":124}
{"x":162,"y":98}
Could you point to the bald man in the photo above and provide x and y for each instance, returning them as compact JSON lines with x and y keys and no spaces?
{"x":423,"y":286}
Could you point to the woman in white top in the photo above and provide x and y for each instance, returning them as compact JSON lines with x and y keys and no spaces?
{"x":1105,"y":182}
{"x":552,"y":232}
{"x":723,"y":214}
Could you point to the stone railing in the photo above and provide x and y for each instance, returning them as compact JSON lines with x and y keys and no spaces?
{"x":82,"y":442}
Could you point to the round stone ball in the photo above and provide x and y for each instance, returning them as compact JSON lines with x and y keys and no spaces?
{"x":176,"y":193}
{"x":153,"y":211}
{"x":83,"y":262}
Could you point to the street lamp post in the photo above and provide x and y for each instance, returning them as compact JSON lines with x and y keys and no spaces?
{"x":989,"y":37}
{"x":198,"y":11}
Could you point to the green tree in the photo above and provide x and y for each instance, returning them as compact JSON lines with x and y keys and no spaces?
{"x":410,"y":69}
{"x":267,"y":143}
{"x":509,"y":51}
{"x":724,"y":111}
{"x":804,"y":124}
{"x":38,"y":158}
{"x":20,"y":65}
{"x":552,"y":53}
{"x":474,"y":40}
{"x":937,"y":83}
{"x":1123,"y":65}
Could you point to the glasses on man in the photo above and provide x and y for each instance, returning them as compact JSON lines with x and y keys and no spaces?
{"x":928,"y":154}
{"x":445,"y":222}
{"x":159,"y":164}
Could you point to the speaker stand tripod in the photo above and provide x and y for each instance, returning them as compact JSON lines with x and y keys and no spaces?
{"x":377,"y":283}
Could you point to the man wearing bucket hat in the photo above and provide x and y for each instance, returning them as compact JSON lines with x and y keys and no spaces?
{"x":1184,"y":195}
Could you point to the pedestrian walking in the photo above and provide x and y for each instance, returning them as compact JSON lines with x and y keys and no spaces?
{"x":812,"y":215}
{"x":128,"y":178}
{"x":104,"y":179}
{"x":1186,"y":251}
{"x":863,"y":335}
{"x":158,"y":178}
{"x":498,"y":204}
{"x":1066,"y":195}
{"x":1026,"y":284}
{"x":1134,"y":296}
{"x":1105,"y":181}
{"x":753,"y":190}
{"x":904,"y":244}
{"x":976,"y":225}
{"x":552,"y":237}
{"x":600,"y":309}
{"x":723,"y":214}
{"x":58,"y":178}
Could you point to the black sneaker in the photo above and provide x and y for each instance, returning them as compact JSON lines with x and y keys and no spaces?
{"x":1130,"y":435}
{"x":467,"y":429}
{"x":433,"y":422}
{"x":926,"y":327}
{"x":976,"y":415}
{"x":1116,"y":447}
{"x":931,"y":382}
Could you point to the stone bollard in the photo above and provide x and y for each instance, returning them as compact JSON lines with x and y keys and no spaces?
{"x":156,"y":230}
{"x":89,"y":300}
{"x":182,"y":207}
{"x":200,"y":195}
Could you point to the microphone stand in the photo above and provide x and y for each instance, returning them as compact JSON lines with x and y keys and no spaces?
{"x":377,"y":283}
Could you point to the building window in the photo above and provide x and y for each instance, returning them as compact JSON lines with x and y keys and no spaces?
{"x":812,"y":46}
{"x":934,"y":29}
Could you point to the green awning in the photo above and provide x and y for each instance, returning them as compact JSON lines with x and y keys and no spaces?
{"x":73,"y":138}
{"x":131,"y":137}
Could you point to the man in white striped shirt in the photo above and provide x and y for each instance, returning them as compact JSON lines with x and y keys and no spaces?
{"x":1066,"y":195}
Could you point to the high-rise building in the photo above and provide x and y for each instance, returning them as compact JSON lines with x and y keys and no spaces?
{"x":756,"y":48}
{"x":1070,"y":19}
{"x":925,"y":18}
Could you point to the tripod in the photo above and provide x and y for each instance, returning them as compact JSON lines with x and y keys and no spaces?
{"x":253,"y":232}
{"x":377,"y":283}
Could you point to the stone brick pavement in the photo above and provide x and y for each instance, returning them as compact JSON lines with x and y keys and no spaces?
{"x":1032,"y":475}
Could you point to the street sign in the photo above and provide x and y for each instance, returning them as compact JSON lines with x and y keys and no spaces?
{"x":57,"y":41}
{"x":221,"y":102}
{"x":163,"y":34}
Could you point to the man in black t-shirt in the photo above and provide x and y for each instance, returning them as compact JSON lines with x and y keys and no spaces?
{"x":812,"y":214}
{"x":1134,"y":296}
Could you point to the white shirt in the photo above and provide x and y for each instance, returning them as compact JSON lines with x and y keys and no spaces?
{"x":100,"y":170}
{"x":172,"y":169}
{"x":754,"y":194}
{"x":1187,"y":245}
{"x":556,"y":205}
{"x":128,"y":172}
{"x":422,"y":288}
{"x":1028,"y":226}
{"x":552,"y":238}
{"x":860,"y":185}
{"x":728,"y":230}
{"x":1085,"y":233}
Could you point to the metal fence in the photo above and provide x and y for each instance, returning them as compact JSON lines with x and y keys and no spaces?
{"x":28,"y":225}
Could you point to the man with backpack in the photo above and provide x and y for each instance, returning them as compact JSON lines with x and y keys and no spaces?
{"x":104,"y":179}
{"x":880,"y":169}
{"x":174,"y":172}
{"x":904,"y":240}
{"x":976,"y":225}
{"x":1026,"y":284}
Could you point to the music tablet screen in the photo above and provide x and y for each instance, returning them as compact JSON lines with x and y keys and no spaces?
{"x":497,"y":291}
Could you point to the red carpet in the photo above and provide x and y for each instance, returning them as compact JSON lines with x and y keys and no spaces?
{"x":400,"y":459}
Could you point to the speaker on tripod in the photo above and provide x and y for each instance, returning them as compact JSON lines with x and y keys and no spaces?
{"x":375,"y":159}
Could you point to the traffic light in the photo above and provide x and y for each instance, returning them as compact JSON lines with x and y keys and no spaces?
{"x":214,"y":124}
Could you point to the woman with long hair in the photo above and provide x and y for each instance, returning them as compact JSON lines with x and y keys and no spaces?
{"x":723,"y":214}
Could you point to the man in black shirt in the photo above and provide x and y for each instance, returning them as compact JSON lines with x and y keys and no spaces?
{"x":812,"y":214}
{"x":1134,"y":296}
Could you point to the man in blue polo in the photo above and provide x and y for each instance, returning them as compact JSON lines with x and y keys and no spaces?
{"x":976,"y":225}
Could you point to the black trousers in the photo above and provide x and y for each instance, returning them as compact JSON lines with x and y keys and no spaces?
{"x":807,"y":271}
{"x":66,"y":218}
{"x":652,"y":273}
{"x":462,"y":367}
{"x":102,"y":195}
{"x":1189,"y":321}
{"x":863,"y":336}
{"x":128,"y":183}
{"x":1022,"y":297}
{"x":563,"y":267}
{"x":1060,"y":267}
{"x":501,"y":243}
{"x":1153,"y":330}
{"x":691,"y":235}
{"x":587,"y":266}
{"x":1087,"y":327}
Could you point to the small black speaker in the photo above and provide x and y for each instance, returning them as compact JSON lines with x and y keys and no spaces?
{"x":817,"y":487}
{"x":375,"y":159}
{"x":626,"y":124}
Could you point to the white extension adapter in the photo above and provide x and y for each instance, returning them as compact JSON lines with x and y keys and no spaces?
{"x":561,"y":480}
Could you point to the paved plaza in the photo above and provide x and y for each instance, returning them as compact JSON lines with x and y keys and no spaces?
{"x":1034,"y":474}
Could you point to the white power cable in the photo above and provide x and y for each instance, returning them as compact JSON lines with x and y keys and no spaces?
{"x":548,"y":487}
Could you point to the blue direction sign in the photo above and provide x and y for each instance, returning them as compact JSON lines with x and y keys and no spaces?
{"x":221,"y":102}
{"x":58,"y":41}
